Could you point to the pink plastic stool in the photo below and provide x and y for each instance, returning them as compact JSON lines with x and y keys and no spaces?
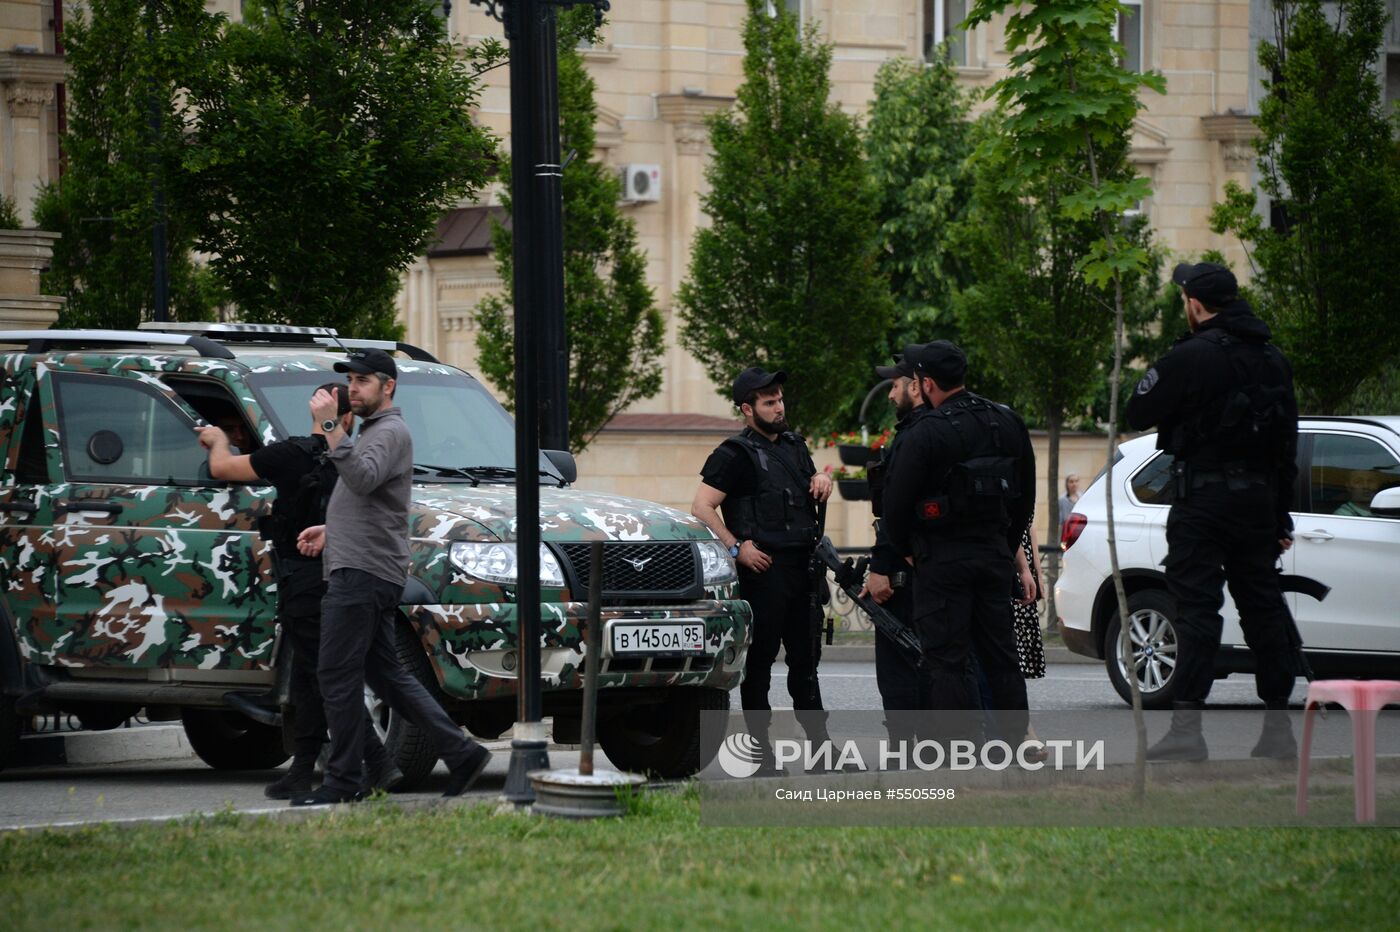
{"x":1362,"y":699}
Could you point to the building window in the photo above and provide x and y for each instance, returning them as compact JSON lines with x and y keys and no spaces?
{"x":1128,"y":31}
{"x":942,"y":19}
{"x":794,"y":7}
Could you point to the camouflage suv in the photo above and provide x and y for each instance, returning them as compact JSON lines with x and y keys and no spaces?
{"x":129,"y":578}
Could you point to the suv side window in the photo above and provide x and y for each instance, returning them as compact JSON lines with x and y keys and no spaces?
{"x":1347,"y":472}
{"x":32,"y":466}
{"x":1153,"y":483}
{"x":122,"y":430}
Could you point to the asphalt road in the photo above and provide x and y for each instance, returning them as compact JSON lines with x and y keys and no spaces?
{"x":851,"y":686}
{"x":179,"y":787}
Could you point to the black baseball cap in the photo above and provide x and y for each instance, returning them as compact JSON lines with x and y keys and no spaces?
{"x":1209,"y":283}
{"x":902,"y":367}
{"x":368,"y":360}
{"x":753,"y":379}
{"x":940,"y":360}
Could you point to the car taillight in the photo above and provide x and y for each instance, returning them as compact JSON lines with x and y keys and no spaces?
{"x":1074,"y":526}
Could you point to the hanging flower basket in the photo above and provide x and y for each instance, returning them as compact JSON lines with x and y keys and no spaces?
{"x":854,"y":490}
{"x":853,"y":454}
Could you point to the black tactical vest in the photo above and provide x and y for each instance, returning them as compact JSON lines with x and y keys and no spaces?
{"x":780,"y":514}
{"x":306,"y":508}
{"x":1248,"y":424}
{"x":975,"y":490}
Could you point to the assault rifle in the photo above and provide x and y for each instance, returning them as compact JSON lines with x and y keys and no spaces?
{"x":850,"y":576}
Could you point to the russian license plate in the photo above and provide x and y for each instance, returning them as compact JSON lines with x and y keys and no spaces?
{"x":653,"y":638}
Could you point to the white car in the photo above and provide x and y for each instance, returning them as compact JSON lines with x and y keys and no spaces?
{"x":1346,"y":519}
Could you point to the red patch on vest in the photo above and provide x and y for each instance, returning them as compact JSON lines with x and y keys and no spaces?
{"x":931,"y":511}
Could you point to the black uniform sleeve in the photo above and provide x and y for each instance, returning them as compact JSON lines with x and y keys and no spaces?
{"x":884,"y":558}
{"x":903,"y":489}
{"x":278,"y":462}
{"x":727,"y":469}
{"x":1162,"y":391}
{"x":1023,"y":507}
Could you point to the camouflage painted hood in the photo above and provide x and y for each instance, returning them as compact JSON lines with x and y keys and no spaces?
{"x":462,"y":512}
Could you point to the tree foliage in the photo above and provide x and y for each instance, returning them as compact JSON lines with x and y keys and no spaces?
{"x":325,"y":139}
{"x":787,"y":274}
{"x":917,"y":140}
{"x":1030,"y":315}
{"x":615,"y":333}
{"x":124,"y":58}
{"x":1329,"y":165}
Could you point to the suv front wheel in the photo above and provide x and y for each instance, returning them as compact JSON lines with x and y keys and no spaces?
{"x":1153,"y":633}
{"x":410,"y":746}
{"x":662,"y":739}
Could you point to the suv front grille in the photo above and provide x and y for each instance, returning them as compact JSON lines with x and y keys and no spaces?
{"x":631,"y":571}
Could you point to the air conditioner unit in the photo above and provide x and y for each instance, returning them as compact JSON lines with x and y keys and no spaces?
{"x":641,"y":182}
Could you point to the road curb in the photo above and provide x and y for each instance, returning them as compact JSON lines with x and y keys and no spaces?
{"x":117,"y":746}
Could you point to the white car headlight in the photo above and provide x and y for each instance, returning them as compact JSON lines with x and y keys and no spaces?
{"x":716,"y":565}
{"x":498,"y":563}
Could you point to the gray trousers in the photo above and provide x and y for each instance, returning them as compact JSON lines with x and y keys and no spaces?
{"x":357,"y":648}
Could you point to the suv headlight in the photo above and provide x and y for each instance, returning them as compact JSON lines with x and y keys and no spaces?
{"x":498,"y":563}
{"x":716,"y":565}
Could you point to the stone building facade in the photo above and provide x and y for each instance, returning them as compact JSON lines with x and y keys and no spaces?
{"x":664,"y":65}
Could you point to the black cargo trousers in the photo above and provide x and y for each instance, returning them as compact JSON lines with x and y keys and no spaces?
{"x":962,"y":602}
{"x":300,"y":589}
{"x":1220,"y":535}
{"x":901,"y":684}
{"x":358,"y":649}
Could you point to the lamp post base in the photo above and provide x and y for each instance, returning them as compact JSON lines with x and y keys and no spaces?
{"x":528,"y":751}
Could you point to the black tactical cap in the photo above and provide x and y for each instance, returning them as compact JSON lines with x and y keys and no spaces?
{"x":902,"y":367}
{"x":1211,"y":284}
{"x":367,"y":361}
{"x":941,"y":361}
{"x":753,"y":379}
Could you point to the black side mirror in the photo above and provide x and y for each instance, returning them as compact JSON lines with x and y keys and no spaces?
{"x":563,"y":461}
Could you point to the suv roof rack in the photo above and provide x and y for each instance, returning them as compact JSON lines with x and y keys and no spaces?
{"x":283,"y":335}
{"x":41,"y":341}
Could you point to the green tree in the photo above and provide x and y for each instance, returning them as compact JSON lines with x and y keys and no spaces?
{"x":124,"y":57}
{"x":614,"y":331}
{"x":326,"y":138}
{"x":787,"y":274}
{"x":1070,"y":107}
{"x":1329,"y":165}
{"x":917,"y":140}
{"x":9,"y":214}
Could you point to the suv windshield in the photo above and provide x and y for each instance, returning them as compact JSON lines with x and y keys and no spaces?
{"x":455,"y":423}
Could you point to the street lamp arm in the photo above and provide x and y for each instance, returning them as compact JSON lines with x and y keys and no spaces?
{"x":499,"y":10}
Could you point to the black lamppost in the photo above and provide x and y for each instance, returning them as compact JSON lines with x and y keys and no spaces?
{"x":538,"y":295}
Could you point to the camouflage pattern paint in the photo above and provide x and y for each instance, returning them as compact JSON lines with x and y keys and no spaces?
{"x":178,"y":577}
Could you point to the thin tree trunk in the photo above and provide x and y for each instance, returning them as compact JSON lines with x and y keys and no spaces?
{"x":1124,"y":646}
{"x":1054,"y":423}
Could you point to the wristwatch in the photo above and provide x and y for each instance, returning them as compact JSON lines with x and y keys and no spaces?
{"x":734,"y":551}
{"x":329,"y":425}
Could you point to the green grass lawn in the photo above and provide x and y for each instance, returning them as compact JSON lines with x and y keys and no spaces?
{"x":377,"y":866}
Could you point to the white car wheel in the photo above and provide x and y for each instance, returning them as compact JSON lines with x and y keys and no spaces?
{"x":1154,"y":646}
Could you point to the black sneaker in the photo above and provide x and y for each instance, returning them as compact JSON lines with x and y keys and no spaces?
{"x":292,"y":784}
{"x":328,"y":796}
{"x":467,"y":772}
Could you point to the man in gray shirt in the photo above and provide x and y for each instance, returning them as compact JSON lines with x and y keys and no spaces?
{"x":364,"y":547}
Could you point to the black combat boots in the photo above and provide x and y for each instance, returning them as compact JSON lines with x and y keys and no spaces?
{"x":1276,"y":740}
{"x":295,"y":782}
{"x":1183,"y":741}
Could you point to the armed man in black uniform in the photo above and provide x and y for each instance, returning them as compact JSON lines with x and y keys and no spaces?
{"x":298,"y":469}
{"x":957,"y":498}
{"x":769,"y":489}
{"x":1222,"y":400}
{"x":890,"y":580}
